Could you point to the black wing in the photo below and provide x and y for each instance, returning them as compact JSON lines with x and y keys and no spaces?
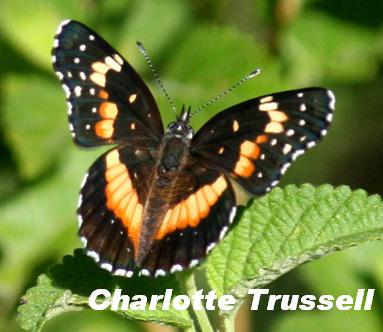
{"x":108,"y":102}
{"x":183,"y":225}
{"x":255,"y":141}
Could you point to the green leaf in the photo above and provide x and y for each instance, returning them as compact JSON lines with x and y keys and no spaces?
{"x":33,"y":39}
{"x":69,"y":284}
{"x":331,"y":51}
{"x":44,"y":302}
{"x":35,"y":122}
{"x":39,"y":224}
{"x":138,"y":26}
{"x":288,"y":227}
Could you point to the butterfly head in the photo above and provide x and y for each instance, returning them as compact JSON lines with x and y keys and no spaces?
{"x":181,"y":126}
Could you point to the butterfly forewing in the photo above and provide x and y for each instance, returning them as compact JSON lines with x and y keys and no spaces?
{"x":108,"y":102}
{"x":255,"y":141}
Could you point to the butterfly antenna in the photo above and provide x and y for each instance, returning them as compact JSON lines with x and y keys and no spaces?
{"x":153,"y":70}
{"x":225,"y":92}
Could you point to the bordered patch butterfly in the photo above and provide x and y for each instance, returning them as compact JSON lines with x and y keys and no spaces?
{"x":160,"y":199}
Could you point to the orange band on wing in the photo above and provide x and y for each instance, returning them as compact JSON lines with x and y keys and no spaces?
{"x":121,"y":197}
{"x":244,"y":167}
{"x":250,"y":149}
{"x":108,"y":110}
{"x":190,"y":211}
{"x":105,"y":128}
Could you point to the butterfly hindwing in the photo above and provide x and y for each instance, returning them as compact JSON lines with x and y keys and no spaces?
{"x":255,"y":141}
{"x":108,"y":102}
{"x":124,"y":229}
{"x":196,"y":218}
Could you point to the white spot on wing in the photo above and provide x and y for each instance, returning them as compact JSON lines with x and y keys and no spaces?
{"x":107,"y":266}
{"x":91,"y":37}
{"x":76,"y":60}
{"x":266,"y":99}
{"x":232,"y":214}
{"x":287,"y":148}
{"x":94,"y":255}
{"x":84,"y":180}
{"x":176,"y":268}
{"x":290,"y":132}
{"x":193,"y":262}
{"x":223,"y":232}
{"x":82,"y":75}
{"x":84,"y":241}
{"x":332,"y":99}
{"x":77,"y":90}
{"x":159,"y":273}
{"x":79,"y":220}
{"x":61,"y":25}
{"x":82,"y":47}
{"x":210,"y":247}
{"x":69,"y":105}
{"x":302,"y":108}
{"x":119,"y":272}
{"x":129,"y":274}
{"x":59,"y":75}
{"x":67,"y":91}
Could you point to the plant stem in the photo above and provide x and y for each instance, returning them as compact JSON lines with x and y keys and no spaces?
{"x":188,"y":285}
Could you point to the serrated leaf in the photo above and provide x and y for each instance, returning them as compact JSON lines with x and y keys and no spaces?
{"x":43,"y":302}
{"x":288,"y":227}
{"x":71,"y":282}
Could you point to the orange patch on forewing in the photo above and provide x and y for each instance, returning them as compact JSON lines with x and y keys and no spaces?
{"x":105,"y":128}
{"x":100,"y":67}
{"x":250,"y":149}
{"x":121,"y":197}
{"x":103,"y":94}
{"x":244,"y":167}
{"x":274,"y":128}
{"x":261,"y":139}
{"x":98,"y":78}
{"x":108,"y":110}
{"x":277,"y":116}
{"x":235,"y":125}
{"x":270,"y":106}
{"x":190,"y":211}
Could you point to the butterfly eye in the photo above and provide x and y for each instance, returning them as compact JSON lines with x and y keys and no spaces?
{"x":171,"y":125}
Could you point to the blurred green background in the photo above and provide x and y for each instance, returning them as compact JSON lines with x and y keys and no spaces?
{"x":199,"y":48}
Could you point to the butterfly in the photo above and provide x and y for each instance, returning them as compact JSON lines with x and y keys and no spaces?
{"x":159,"y":200}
